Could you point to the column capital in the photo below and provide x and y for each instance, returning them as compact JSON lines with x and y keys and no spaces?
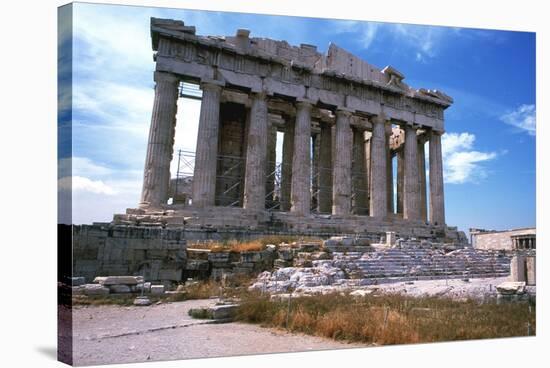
{"x":380,"y":118}
{"x":343,"y":111}
{"x":304,"y":103}
{"x":262,"y":95}
{"x":166,"y":77}
{"x":436,"y":132}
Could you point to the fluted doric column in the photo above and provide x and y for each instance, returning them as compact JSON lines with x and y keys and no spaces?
{"x":204,"y":178}
{"x":286,"y":165}
{"x":437,"y":204}
{"x":359,"y":174}
{"x":378,"y":187}
{"x":400,"y":179}
{"x":271,"y":163}
{"x":315,"y":145}
{"x":367,"y":136}
{"x":325,"y":169}
{"x":256,"y":154}
{"x":411,"y":190}
{"x":341,"y":171}
{"x":301,"y":160}
{"x":389,"y":170}
{"x":156,"y":175}
{"x":422,"y":179}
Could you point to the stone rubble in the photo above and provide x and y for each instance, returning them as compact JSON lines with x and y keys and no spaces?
{"x":380,"y":265}
{"x":105,"y":285}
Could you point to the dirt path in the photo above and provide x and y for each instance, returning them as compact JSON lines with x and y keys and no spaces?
{"x":112,"y":334}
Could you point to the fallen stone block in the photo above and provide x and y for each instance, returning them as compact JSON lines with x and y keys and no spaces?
{"x":510,"y":288}
{"x":119,"y":289}
{"x":142,"y":301}
{"x":157,"y":289}
{"x":117,"y":280}
{"x":95,"y":289}
{"x":225,"y":311}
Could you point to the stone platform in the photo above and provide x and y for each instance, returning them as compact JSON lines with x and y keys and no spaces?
{"x":238,"y":220}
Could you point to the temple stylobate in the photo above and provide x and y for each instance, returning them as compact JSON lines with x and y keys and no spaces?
{"x":347,"y":129}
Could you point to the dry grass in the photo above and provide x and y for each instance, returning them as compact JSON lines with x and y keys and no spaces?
{"x":394,"y":319}
{"x":255,"y":245}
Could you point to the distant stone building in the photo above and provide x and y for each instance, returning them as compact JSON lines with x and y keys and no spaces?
{"x":510,"y":240}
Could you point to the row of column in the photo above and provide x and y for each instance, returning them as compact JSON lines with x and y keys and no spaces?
{"x":296,"y":147}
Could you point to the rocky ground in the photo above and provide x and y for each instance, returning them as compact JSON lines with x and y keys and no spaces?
{"x":454,"y":288}
{"x":113,"y":334}
{"x":475,"y":288}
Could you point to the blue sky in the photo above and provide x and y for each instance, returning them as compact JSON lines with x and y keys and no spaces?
{"x":489,"y":145}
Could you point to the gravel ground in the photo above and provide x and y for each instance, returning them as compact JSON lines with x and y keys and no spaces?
{"x":114,"y":334}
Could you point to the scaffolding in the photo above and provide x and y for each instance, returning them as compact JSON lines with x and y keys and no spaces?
{"x":230,"y":183}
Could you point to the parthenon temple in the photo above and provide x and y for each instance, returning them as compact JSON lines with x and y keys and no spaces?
{"x":348,"y":129}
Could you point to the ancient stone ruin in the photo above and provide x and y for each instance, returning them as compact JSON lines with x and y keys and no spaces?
{"x":342,"y":122}
{"x":345,"y":126}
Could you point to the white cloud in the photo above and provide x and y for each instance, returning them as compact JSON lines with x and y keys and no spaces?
{"x":367,"y":30}
{"x":368,"y":33}
{"x":115,"y":106}
{"x":96,"y":191}
{"x":82,"y":184}
{"x":424,"y":40}
{"x":82,"y":166}
{"x":461,"y":162}
{"x":421,"y":42}
{"x":524,"y":118}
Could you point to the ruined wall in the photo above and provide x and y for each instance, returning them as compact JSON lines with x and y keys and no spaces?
{"x":497,"y":240}
{"x":101,"y":250}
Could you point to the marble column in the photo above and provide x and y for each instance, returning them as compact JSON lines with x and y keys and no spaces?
{"x":325,"y":169}
{"x":378,"y":187}
{"x":256,"y":155}
{"x":368,"y":180}
{"x":300,"y":197}
{"x":271,"y":165}
{"x":389,"y":175}
{"x":341,"y":170}
{"x":160,"y":147}
{"x":286,"y":165}
{"x":204,"y":178}
{"x":422,"y":180}
{"x":400,"y":179}
{"x":411,"y":190}
{"x":316,"y":144}
{"x":437,"y":205}
{"x":359,"y":177}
